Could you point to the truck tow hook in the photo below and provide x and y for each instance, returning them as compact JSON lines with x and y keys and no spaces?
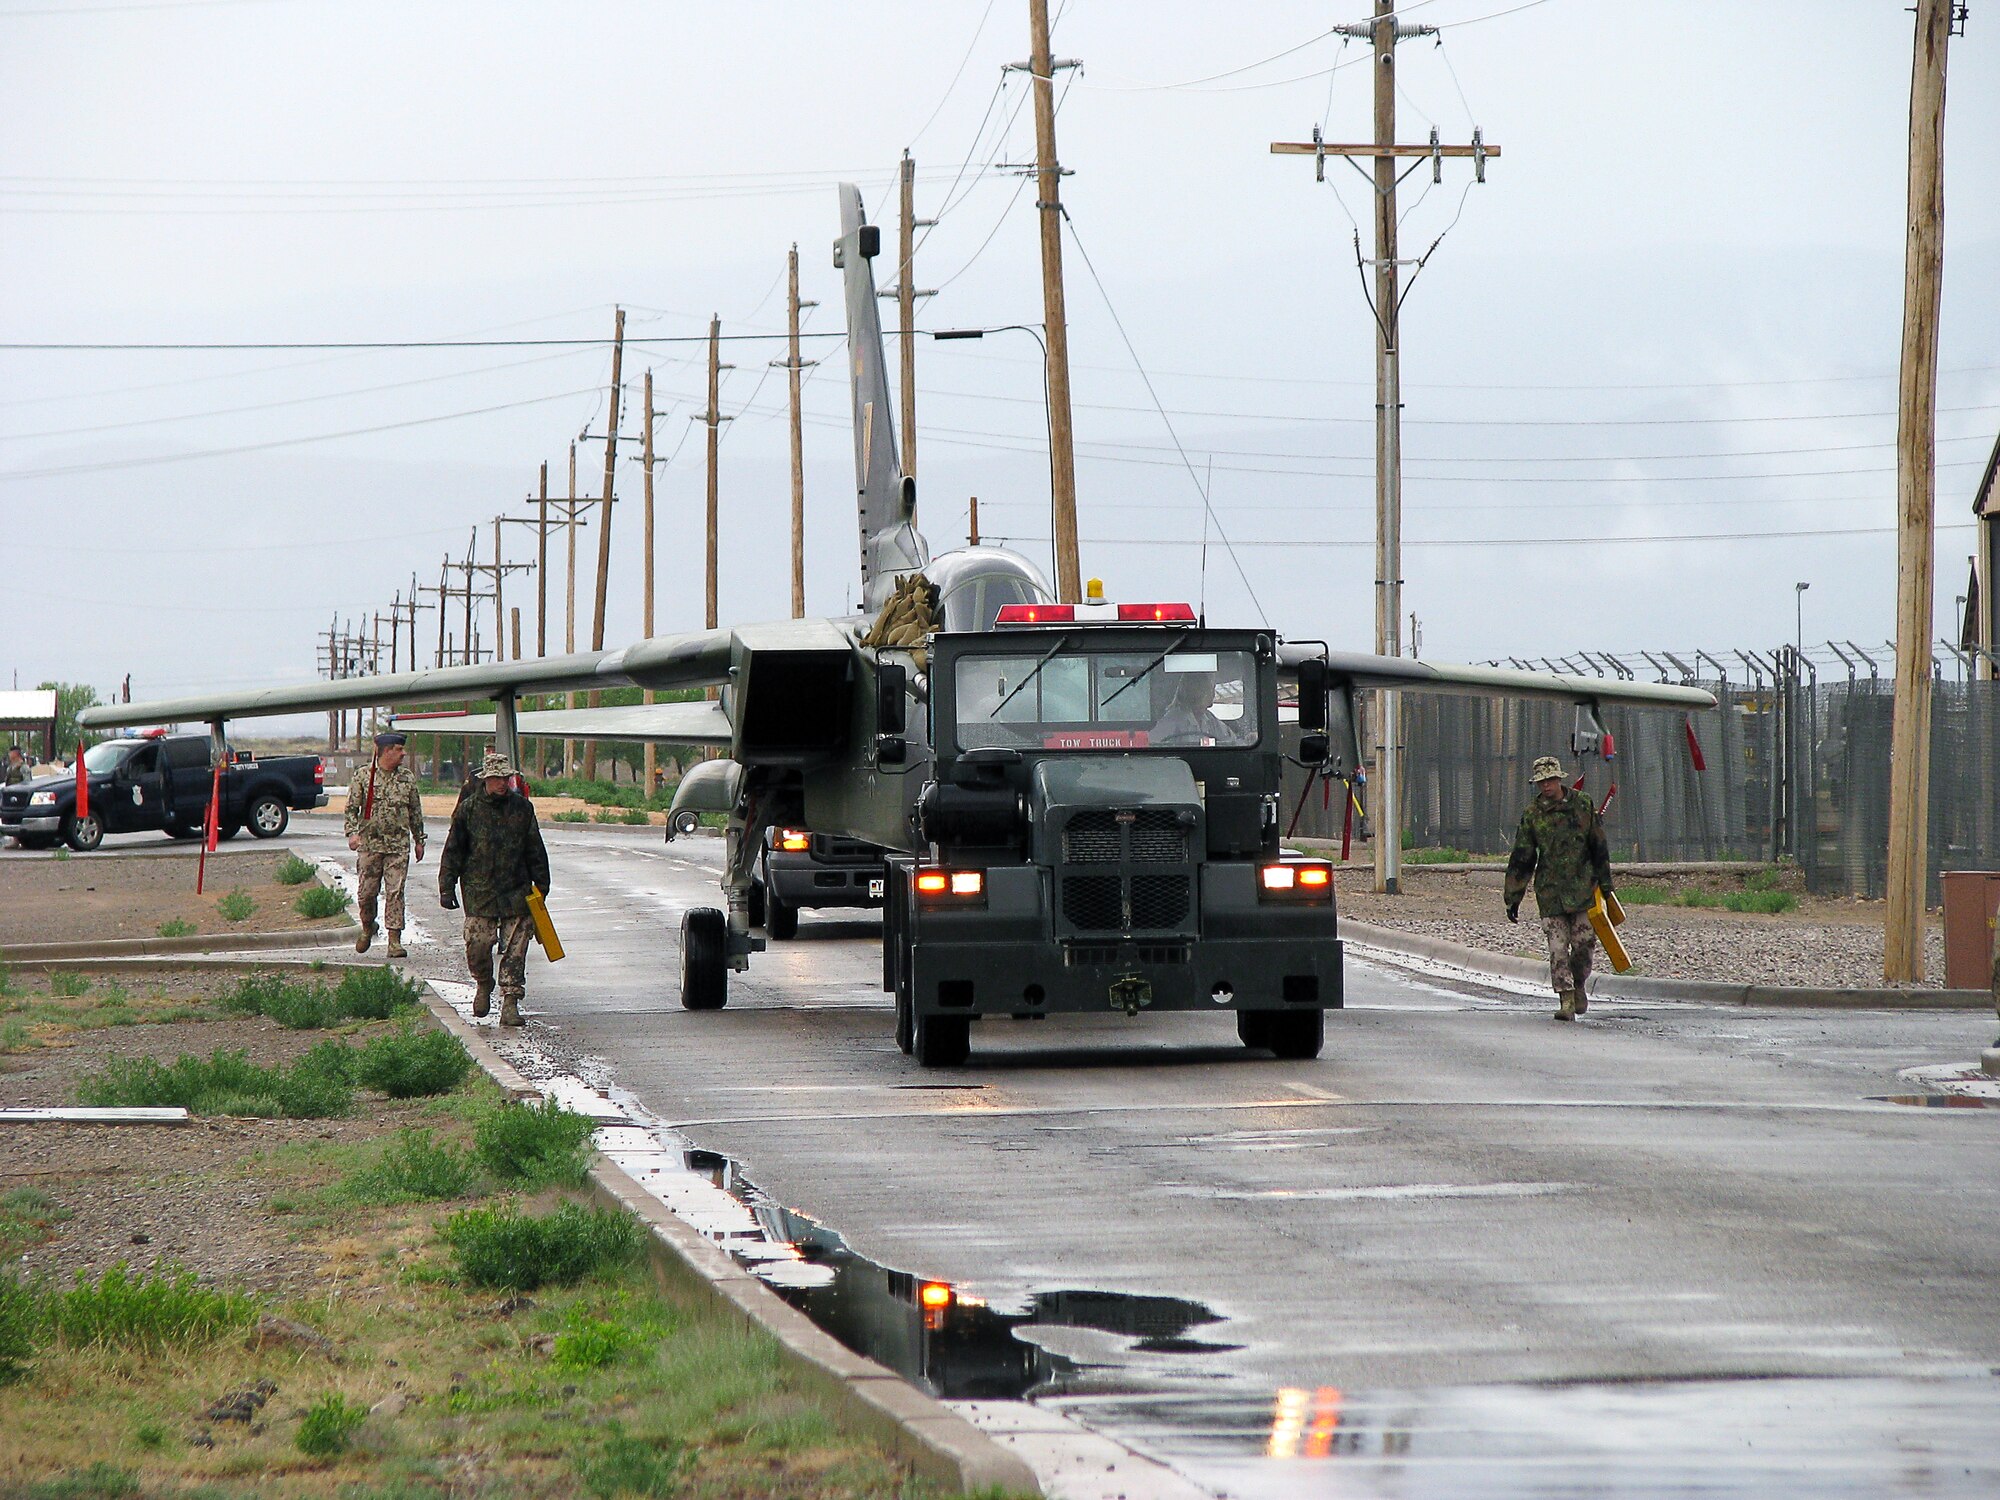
{"x":1130,"y":991}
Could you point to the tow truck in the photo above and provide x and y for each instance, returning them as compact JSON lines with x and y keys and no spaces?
{"x":1099,"y":831}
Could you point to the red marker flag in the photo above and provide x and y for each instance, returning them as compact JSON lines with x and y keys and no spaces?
{"x":82,"y":784}
{"x":1694,"y":745}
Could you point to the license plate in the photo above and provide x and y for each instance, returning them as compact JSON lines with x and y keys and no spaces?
{"x":875,"y":888}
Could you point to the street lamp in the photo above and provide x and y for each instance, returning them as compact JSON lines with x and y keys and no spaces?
{"x":1048,"y":413}
{"x":1799,"y":616}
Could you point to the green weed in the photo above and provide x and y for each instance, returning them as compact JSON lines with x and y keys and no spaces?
{"x":294,"y":871}
{"x":1768,"y":902}
{"x":20,"y":1327}
{"x":1761,"y":880}
{"x":508,"y":1250}
{"x":415,"y":1166}
{"x":101,"y":1481}
{"x":570,"y":815}
{"x":623,"y":1465}
{"x":588,"y":1343}
{"x":176,"y":927}
{"x":319,"y":1084}
{"x":69,"y":986}
{"x":535,"y":1145}
{"x":635,"y":816}
{"x":1699,"y":899}
{"x":9,"y":988}
{"x":114,"y":994}
{"x":61,"y":854}
{"x":236,"y":906}
{"x":1437,"y":856}
{"x":161,"y":1309}
{"x":150,"y":1435}
{"x":26,"y":1217}
{"x":604,"y":815}
{"x":1645,"y":895}
{"x":409,"y":1064}
{"x":321,"y":901}
{"x":372,"y":994}
{"x":14,"y":1035}
{"x":329,"y":1426}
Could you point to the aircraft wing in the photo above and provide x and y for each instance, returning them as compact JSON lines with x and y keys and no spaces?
{"x":697,"y":659}
{"x":1409,"y":675}
{"x":698,"y":723}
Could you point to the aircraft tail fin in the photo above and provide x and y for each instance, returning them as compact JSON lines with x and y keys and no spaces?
{"x":887,"y":499}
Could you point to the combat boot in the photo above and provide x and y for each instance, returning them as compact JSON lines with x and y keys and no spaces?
{"x":367,"y":938}
{"x":482,"y":997}
{"x":510,"y":1011}
{"x":1582,"y":1000}
{"x":396,"y":948}
{"x":1566,"y":1007}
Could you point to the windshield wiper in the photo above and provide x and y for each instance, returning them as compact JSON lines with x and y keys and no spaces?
{"x":1061,"y":641}
{"x":1140,"y":675}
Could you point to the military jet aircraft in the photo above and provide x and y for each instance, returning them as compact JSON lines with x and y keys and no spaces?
{"x":844,"y":726}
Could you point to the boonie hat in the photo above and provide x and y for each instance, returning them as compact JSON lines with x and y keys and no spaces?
{"x":496,"y":764}
{"x":1548,"y":768}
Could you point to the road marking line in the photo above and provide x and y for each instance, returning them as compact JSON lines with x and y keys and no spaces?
{"x":1312,"y":1093}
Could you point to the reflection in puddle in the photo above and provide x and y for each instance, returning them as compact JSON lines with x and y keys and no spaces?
{"x":953,"y":1344}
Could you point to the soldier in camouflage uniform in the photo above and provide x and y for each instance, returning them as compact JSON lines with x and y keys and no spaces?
{"x":1561,"y":848}
{"x":494,"y":853}
{"x":385,"y":813}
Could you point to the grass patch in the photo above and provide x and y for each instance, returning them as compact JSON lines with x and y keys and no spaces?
{"x":321,"y":901}
{"x":68,"y":986}
{"x":14,"y":1036}
{"x":101,"y":1481}
{"x":318,"y":1085}
{"x":329,"y":1426}
{"x":1761,"y":880}
{"x":26,"y":1217}
{"x":588,"y":1343}
{"x":371,"y":994}
{"x":1645,"y":895}
{"x":535,"y":1145}
{"x":294,"y":871}
{"x":1769,"y":903}
{"x":61,"y":853}
{"x":10,"y":988}
{"x":623,"y":1465}
{"x":176,"y":927}
{"x":414,"y":1167}
{"x":505,"y":1249}
{"x":236,"y":906}
{"x":635,"y":816}
{"x":410,"y":1064}
{"x":570,"y":815}
{"x":1437,"y":856}
{"x":154,"y":1310}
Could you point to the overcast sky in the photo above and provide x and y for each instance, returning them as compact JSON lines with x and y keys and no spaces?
{"x":1671,"y":312}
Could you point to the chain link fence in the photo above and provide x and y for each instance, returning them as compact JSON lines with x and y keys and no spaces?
{"x":1790,"y":763}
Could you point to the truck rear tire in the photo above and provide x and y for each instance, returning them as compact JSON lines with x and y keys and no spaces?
{"x":704,"y":959}
{"x":756,"y":903}
{"x":1253,"y":1028}
{"x":906,"y":1039}
{"x":941,"y":1041}
{"x":268,"y":816}
{"x":1297,"y":1034}
{"x":781,"y":918}
{"x":83,"y":834}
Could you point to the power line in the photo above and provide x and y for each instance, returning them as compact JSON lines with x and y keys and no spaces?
{"x":1294,"y":543}
{"x":952,"y":87}
{"x":204,"y":348}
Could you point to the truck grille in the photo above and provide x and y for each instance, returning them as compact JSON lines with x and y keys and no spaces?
{"x":1158,"y":838}
{"x":1093,"y":901}
{"x":1091,"y":838}
{"x":1159,"y":900}
{"x":1127,"y":871}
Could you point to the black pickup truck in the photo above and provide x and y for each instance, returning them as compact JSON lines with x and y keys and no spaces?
{"x":161,"y":782}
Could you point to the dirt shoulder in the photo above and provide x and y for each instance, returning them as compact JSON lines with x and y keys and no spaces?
{"x":357,"y":1306}
{"x":95,"y":897}
{"x":1820,"y":943}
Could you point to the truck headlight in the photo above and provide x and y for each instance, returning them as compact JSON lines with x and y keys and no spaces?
{"x":42,"y":799}
{"x":951,"y":887}
{"x":1307,"y":881}
{"x":794,"y":840}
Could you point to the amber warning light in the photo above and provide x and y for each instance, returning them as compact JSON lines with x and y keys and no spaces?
{"x":1299,"y":880}
{"x":794,"y":840}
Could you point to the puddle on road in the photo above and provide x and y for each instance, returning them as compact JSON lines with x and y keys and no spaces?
{"x":1719,"y":1438}
{"x":952,"y":1343}
{"x":1938,"y":1101}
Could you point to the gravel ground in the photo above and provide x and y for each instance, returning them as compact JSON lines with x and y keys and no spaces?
{"x":90,"y":897}
{"x":1835,"y":944}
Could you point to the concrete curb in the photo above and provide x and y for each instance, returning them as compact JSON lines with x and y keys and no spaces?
{"x":936,"y":1441}
{"x":238,"y":942}
{"x":221,"y":963}
{"x":1700,"y":991}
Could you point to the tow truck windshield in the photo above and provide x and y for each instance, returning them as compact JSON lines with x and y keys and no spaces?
{"x":1074,"y":698}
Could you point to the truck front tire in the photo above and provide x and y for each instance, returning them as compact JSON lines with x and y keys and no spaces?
{"x":83,"y":834}
{"x":781,"y":918}
{"x":942,"y":1041}
{"x":1294,"y":1034}
{"x":704,"y":959}
{"x":268,"y":816}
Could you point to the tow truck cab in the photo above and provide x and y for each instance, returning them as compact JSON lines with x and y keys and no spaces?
{"x":1101,"y":834}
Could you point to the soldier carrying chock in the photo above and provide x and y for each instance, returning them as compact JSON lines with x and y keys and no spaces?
{"x":494,"y":855}
{"x":1561,"y":847}
{"x":385,"y":812}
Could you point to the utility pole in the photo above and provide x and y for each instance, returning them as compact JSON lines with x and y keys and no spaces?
{"x":542,"y":563}
{"x":906,"y":294}
{"x":604,"y":536}
{"x":651,"y":767}
{"x":1055,"y":323}
{"x":1384,"y":31}
{"x":714,"y":419}
{"x":972,"y":531}
{"x":1916,"y":499}
{"x":793,"y":365}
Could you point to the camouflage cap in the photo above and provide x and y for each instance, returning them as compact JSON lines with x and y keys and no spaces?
{"x":1548,"y":768}
{"x":496,"y":764}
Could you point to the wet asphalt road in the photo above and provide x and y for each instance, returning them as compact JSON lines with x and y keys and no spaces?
{"x":1671,"y":1250}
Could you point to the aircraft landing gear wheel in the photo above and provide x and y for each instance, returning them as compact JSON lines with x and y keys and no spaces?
{"x":756,"y":903}
{"x":1297,"y":1034}
{"x":1253,"y":1028}
{"x":781,"y":918}
{"x":906,"y":1039}
{"x":83,"y":834}
{"x":704,"y":959}
{"x":941,"y":1041}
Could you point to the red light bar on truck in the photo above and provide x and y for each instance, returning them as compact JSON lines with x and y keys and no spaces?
{"x":1153,"y":613}
{"x":1094,"y":614}
{"x":1036,"y":614}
